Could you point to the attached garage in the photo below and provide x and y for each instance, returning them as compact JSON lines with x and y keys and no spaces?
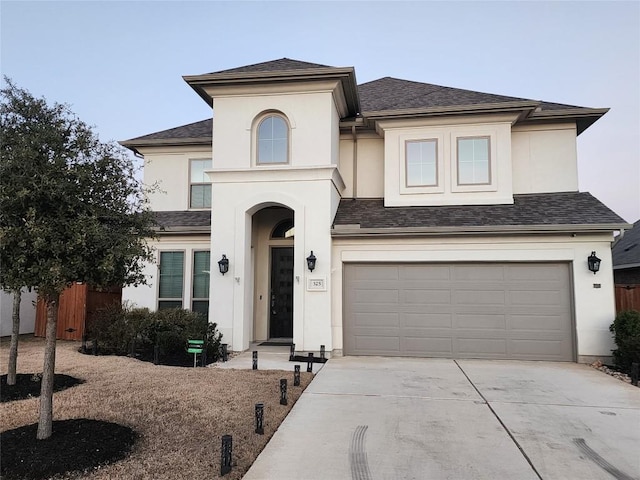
{"x":459,"y":310}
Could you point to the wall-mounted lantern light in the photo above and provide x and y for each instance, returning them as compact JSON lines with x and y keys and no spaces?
{"x":311,"y":262}
{"x":223,"y":264}
{"x":593,"y":262}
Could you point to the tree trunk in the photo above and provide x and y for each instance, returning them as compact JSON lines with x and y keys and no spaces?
{"x":15,"y":333}
{"x":48,"y":371}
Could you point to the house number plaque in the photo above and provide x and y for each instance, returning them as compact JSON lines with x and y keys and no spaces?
{"x":318,"y":284}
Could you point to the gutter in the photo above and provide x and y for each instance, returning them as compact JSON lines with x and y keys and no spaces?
{"x":355,"y":231}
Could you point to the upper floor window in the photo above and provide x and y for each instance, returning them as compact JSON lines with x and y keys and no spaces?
{"x":473,"y":161}
{"x":421,"y":163}
{"x":272,"y":140}
{"x":200,"y":187}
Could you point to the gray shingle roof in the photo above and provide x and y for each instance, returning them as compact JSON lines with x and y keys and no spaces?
{"x":383,"y":95}
{"x":281,"y":64}
{"x":395,"y":94}
{"x":201,"y":130}
{"x":548,"y":209}
{"x":626,"y":251}
{"x":184,"y":220}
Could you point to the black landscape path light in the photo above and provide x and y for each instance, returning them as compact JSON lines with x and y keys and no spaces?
{"x":260,"y":418}
{"x":296,"y":376}
{"x":225,"y":457}
{"x":283,"y":391}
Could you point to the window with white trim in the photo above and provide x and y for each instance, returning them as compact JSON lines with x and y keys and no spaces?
{"x":421,"y":157}
{"x":170,"y":280}
{"x":200,"y":284}
{"x":474,"y":166}
{"x":272,"y":137}
{"x":200,"y":186}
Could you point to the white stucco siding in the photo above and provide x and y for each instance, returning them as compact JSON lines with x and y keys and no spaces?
{"x":593,"y":295}
{"x":233,"y":294}
{"x":312,"y":121}
{"x":146,"y":296}
{"x":27,"y":312}
{"x":166,"y":171}
{"x":544,"y":158}
{"x":447,"y":190}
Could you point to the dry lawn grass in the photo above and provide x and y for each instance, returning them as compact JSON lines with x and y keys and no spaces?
{"x":180,"y":413}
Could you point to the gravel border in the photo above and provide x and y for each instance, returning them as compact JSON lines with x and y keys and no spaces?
{"x":598,"y":365}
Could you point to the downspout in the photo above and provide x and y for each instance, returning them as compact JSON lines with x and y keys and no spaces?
{"x":355,"y":161}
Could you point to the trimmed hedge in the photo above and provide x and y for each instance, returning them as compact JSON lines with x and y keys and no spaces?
{"x":122,"y":330}
{"x":626,"y":330}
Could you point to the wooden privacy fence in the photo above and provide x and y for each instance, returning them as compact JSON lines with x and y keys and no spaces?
{"x":627,"y":297}
{"x":77,"y":304}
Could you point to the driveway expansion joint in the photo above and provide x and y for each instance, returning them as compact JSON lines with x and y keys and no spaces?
{"x":495,"y":414}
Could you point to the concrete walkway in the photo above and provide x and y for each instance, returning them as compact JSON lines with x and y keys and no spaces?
{"x":269,"y":358}
{"x":365,"y":418}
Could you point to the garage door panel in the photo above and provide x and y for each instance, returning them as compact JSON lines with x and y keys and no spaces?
{"x":436,"y":345}
{"x":538,"y":322}
{"x":377,"y":319}
{"x":471,"y":272}
{"x":422,"y":273}
{"x":479,"y":310}
{"x":479,"y":297}
{"x":536,"y":297}
{"x":481,"y":348}
{"x":538,"y":348}
{"x":377,"y":344}
{"x":425,"y":297}
{"x":481,"y":321}
{"x":426,"y":320}
{"x":377,"y":296}
{"x":374,"y":272}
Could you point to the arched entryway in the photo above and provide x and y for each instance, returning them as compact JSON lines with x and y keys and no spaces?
{"x":273,"y":261}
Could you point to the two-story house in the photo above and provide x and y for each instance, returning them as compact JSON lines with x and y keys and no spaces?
{"x":388,"y":218}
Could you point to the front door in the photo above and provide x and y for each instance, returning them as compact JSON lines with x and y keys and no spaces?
{"x":281,"y":301}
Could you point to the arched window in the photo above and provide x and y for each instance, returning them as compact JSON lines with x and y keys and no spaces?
{"x":282,"y":228}
{"x":273,"y":140}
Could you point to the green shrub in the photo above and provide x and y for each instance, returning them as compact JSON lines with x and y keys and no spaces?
{"x":626,"y":330}
{"x":116,"y":326}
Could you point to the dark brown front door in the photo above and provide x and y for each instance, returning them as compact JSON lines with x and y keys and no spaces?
{"x":281,"y":301}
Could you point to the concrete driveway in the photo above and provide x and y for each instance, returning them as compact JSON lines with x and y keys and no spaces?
{"x":366,"y":418}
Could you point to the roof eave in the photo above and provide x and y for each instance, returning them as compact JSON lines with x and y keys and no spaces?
{"x":452,"y":110}
{"x":356,"y":231}
{"x":346,"y":75}
{"x":178,"y":230}
{"x":163,"y":142}
{"x":624,"y":266}
{"x":584,"y":117}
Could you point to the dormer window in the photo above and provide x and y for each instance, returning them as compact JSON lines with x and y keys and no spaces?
{"x":474,"y":166}
{"x":272,"y":140}
{"x":422,"y":163}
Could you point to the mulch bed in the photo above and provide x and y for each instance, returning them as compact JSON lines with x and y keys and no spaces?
{"x":28,"y":386}
{"x":76,"y":445}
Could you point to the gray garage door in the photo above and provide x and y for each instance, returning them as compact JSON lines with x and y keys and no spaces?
{"x":465,"y":310}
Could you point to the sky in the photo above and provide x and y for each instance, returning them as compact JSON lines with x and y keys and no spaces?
{"x":119,"y":64}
